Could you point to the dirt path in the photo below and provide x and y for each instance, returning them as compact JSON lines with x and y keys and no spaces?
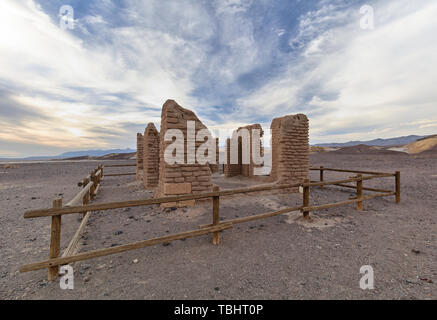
{"x":277,"y":258}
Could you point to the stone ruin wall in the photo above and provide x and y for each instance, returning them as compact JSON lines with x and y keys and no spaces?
{"x":181,"y":179}
{"x":151,"y":157}
{"x":246,"y":170}
{"x":215,"y":167}
{"x":290,"y":149}
{"x":290,"y":155}
{"x":139,"y":171}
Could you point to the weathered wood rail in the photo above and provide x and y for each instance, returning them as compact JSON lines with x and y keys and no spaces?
{"x":80,"y":204}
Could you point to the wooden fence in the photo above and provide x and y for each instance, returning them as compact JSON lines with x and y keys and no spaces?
{"x":92,"y":182}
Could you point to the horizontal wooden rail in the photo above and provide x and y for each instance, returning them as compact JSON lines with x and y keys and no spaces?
{"x":122,"y":248}
{"x":120,"y":174}
{"x":364,"y":188}
{"x":354,"y":179}
{"x":350,"y":171}
{"x":145,"y":202}
{"x":255,"y":217}
{"x":343,"y":203}
{"x":118,"y":165}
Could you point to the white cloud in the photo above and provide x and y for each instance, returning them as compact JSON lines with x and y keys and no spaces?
{"x":376,"y":78}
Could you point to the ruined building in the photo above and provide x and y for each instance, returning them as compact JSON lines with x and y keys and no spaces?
{"x":289,"y":147}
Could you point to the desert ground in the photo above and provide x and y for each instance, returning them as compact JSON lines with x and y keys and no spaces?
{"x":282,"y":257}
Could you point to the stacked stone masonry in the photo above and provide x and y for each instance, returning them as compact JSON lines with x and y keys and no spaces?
{"x":181,"y":179}
{"x":290,"y":149}
{"x":290,"y":154}
{"x":240,"y":168}
{"x":139,"y":171}
{"x":151,"y":157}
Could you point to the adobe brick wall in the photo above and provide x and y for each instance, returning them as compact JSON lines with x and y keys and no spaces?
{"x":139,"y":171}
{"x":246,"y":170}
{"x":151,"y":157}
{"x":180,"y":179}
{"x":215,"y":167}
{"x":290,"y":149}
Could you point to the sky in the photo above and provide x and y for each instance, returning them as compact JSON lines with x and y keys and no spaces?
{"x":233,"y":62}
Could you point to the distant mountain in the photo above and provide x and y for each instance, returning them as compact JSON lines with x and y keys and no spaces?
{"x":399,"y":141}
{"x":76,"y":154}
{"x":92,"y":153}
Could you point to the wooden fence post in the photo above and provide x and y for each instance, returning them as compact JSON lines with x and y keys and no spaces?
{"x":55,"y":240}
{"x":321,"y":176}
{"x":216,"y":216}
{"x":306,"y":198}
{"x":398,"y":186}
{"x":360,"y":191}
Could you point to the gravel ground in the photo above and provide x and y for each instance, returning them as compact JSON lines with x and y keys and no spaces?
{"x":281,"y":257}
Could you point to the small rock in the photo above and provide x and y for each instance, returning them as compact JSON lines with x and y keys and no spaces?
{"x":135,"y":261}
{"x":118,"y":232}
{"x":426,"y":280}
{"x":166,"y":244}
{"x":173,"y":208}
{"x":101,"y":266}
{"x":415,"y":251}
{"x":86,"y":279}
{"x":217,"y":289}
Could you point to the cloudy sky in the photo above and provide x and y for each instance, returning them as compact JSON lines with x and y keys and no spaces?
{"x":233,"y":62}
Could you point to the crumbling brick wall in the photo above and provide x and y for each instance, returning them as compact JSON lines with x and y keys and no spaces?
{"x":215,"y":166}
{"x":240,"y":168}
{"x":151,"y":157}
{"x":139,"y":171}
{"x":181,"y":179}
{"x":290,"y":149}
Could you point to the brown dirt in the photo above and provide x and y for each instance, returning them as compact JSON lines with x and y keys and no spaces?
{"x":281,"y":257}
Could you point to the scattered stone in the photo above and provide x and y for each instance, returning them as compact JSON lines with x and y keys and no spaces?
{"x":415,"y":251}
{"x":101,"y":266}
{"x":118,"y":232}
{"x":217,"y":289}
{"x":114,"y":244}
{"x":166,"y":244}
{"x":135,"y":261}
{"x":86,"y":279}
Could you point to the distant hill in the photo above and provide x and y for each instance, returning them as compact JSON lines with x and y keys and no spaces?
{"x":92,"y":153}
{"x":399,"y":141}
{"x":365,"y":149}
{"x":426,"y":145}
